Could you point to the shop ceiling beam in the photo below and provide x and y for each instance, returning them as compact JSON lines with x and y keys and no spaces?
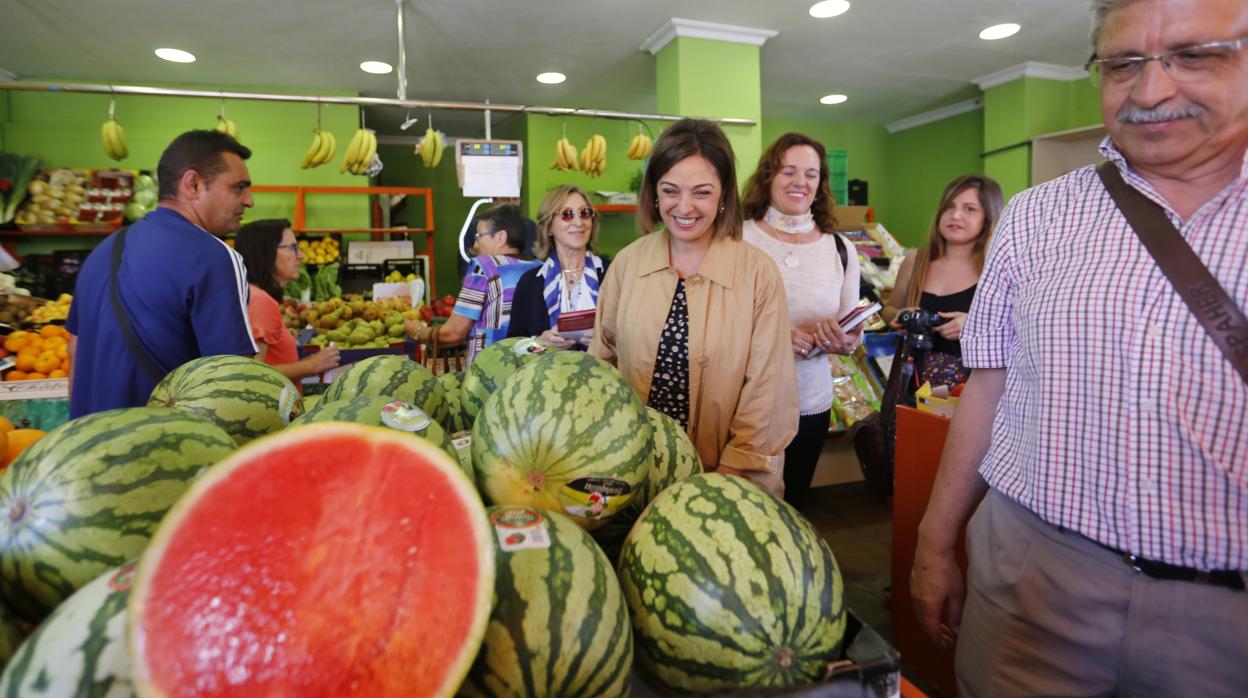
{"x":31,"y":86}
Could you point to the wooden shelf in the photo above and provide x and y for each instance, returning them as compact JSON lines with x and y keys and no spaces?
{"x":616,"y":208}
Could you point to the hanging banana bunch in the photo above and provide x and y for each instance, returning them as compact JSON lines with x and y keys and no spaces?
{"x":113,"y":136}
{"x":639,"y":148}
{"x":430,"y":147}
{"x":565,"y":156}
{"x":225,"y":125}
{"x":594,"y":156}
{"x":360,"y":152}
{"x":321,"y":151}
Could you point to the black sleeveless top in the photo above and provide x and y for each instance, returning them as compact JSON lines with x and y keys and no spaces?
{"x":959,"y":302}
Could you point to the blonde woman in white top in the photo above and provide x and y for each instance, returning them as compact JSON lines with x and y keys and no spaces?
{"x":788,"y":211}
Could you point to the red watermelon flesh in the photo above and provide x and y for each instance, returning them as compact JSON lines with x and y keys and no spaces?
{"x":328,"y":560}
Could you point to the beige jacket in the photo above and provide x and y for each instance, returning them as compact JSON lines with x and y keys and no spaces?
{"x":742,"y":385}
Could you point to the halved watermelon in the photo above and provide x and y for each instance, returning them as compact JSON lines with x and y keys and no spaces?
{"x":326,"y":560}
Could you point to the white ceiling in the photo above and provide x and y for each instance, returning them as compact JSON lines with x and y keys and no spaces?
{"x":894,"y":58}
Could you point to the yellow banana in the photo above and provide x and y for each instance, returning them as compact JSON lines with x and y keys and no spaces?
{"x":329,"y":152}
{"x":114,"y":137}
{"x":440,"y":147}
{"x":225,"y":125}
{"x":590,"y":150}
{"x":309,"y":157}
{"x":353,"y":150}
{"x":601,"y":145}
{"x":569,"y":153}
{"x":427,"y":146}
{"x":633,"y":147}
{"x":370,"y":149}
{"x":559,"y":163}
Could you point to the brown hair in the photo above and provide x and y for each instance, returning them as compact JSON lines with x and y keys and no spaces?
{"x":758,"y":188}
{"x":546,"y":212}
{"x":257,"y":244}
{"x":990,"y":200}
{"x":683,"y":139}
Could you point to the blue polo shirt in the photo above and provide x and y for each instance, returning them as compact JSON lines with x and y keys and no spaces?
{"x":185,"y":292}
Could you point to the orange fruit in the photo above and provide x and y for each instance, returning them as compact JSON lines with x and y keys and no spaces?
{"x":36,"y":376}
{"x":15,"y":375}
{"x":48,"y":331}
{"x":6,"y":426}
{"x":35,"y":341}
{"x":58,"y":373}
{"x":54,"y":342}
{"x":63,"y":352}
{"x":16,"y":341}
{"x":47,"y":361}
{"x":19,"y":440}
{"x":4,"y":452}
{"x":26,"y":359}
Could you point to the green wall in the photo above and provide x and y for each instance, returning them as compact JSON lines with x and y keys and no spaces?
{"x":921,"y":163}
{"x":63,"y":129}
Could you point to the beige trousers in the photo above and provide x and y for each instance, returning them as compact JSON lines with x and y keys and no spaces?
{"x":1050,"y":613}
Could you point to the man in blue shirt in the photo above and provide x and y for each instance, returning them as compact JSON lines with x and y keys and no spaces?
{"x":183,"y":289}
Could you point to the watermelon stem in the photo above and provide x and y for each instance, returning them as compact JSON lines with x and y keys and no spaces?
{"x":17,"y":511}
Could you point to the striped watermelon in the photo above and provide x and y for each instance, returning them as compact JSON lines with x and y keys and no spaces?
{"x":366,"y":409}
{"x":331,"y":559}
{"x":88,"y":496}
{"x":674,"y":459}
{"x":730,"y":587}
{"x":559,"y":625}
{"x":453,"y":418}
{"x":11,"y":635}
{"x":392,"y":376}
{"x":247,"y":398}
{"x":310,"y":401}
{"x":80,"y":650}
{"x":495,"y":364}
{"x":568,"y":434}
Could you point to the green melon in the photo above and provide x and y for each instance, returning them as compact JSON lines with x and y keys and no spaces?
{"x":566,"y":433}
{"x":452,"y":417}
{"x":247,"y":398}
{"x":495,"y":364}
{"x":88,"y":496}
{"x":674,"y":459}
{"x":391,"y":376}
{"x":310,"y":401}
{"x":559,"y":626}
{"x":729,"y":587}
{"x":80,"y":650}
{"x":370,"y":410}
{"x":11,"y":635}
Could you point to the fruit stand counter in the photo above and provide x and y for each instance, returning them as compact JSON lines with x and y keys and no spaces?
{"x":38,"y":404}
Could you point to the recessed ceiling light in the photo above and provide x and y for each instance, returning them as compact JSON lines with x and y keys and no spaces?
{"x":832,"y":99}
{"x":175,"y":55}
{"x":551,"y":78}
{"x":829,"y":8}
{"x":376,"y":67}
{"x":999,"y":31}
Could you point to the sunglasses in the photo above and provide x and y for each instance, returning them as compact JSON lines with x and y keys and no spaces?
{"x":587,"y":214}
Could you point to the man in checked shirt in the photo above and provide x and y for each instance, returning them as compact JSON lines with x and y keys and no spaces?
{"x":1108,"y":430}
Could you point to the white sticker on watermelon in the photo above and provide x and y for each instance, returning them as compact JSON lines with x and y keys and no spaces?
{"x":520,"y":529}
{"x":288,"y":404}
{"x":404,"y":416}
{"x":531,"y":345}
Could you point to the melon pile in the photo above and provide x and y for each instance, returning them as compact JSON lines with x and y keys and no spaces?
{"x":510,"y":531}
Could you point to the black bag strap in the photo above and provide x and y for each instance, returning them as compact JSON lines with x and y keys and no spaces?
{"x":136,"y":347}
{"x":1198,"y":288}
{"x":844,"y":253}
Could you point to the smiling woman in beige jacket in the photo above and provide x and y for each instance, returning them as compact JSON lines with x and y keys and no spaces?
{"x":696,"y":319}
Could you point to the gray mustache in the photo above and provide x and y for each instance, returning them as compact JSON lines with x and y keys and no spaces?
{"x":1138,"y":115}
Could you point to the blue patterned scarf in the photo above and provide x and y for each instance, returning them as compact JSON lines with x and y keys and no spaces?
{"x":552,"y":274}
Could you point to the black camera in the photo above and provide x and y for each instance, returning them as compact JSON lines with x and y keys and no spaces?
{"x":920,"y":321}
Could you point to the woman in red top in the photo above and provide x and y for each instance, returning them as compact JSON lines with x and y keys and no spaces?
{"x":272,"y":257}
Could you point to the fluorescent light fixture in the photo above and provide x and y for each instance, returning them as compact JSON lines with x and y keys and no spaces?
{"x":551,"y":78}
{"x":999,"y":31}
{"x":832,"y":99}
{"x":829,"y":8}
{"x":376,"y":67}
{"x":175,"y":55}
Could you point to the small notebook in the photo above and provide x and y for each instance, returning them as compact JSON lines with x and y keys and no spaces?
{"x":577,"y":326}
{"x":859,"y":315}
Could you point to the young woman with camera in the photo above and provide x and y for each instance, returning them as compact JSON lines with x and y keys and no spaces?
{"x":942,"y":275}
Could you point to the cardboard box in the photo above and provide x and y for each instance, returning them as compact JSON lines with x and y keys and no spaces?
{"x":853,"y":217}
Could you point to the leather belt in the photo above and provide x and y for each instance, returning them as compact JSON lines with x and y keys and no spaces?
{"x":1231,"y":579}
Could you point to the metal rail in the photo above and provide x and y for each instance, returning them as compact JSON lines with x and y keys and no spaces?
{"x":31,"y":86}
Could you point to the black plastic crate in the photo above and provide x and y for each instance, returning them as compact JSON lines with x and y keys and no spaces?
{"x":359,"y":278}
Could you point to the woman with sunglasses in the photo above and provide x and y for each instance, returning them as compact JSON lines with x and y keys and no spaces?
{"x":272,"y":257}
{"x":696,"y":318}
{"x":568,"y":281}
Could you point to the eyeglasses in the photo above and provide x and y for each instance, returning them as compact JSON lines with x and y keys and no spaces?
{"x":293,"y":247}
{"x":1186,"y":64}
{"x":586,"y":214}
